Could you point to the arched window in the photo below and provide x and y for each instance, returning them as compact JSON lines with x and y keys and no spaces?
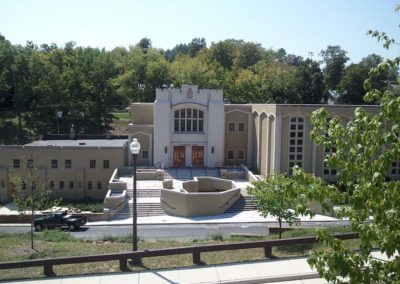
{"x":296,"y":142}
{"x":188,"y":120}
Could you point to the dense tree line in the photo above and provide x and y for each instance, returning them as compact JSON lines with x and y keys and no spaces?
{"x":86,"y":84}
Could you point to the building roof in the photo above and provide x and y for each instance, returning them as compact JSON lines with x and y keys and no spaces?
{"x":80,"y":143}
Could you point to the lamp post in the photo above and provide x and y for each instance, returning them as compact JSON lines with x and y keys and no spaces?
{"x":134,"y":148}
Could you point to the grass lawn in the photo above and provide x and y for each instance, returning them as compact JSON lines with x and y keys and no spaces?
{"x":54,"y":243}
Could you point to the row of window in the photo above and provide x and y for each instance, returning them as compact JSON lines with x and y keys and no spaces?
{"x":67,"y":163}
{"x":231,"y":155}
{"x":188,"y":120}
{"x":236,"y":126}
{"x":71,"y":185}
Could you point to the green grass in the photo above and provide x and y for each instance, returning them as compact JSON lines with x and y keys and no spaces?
{"x":121,"y":115}
{"x":56,"y":243}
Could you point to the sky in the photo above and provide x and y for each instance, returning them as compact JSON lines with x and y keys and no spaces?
{"x":298,"y":26}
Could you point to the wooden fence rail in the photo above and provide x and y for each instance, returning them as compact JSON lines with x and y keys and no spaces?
{"x":136,"y":256}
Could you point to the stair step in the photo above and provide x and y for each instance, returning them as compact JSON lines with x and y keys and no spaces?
{"x":245,"y":203}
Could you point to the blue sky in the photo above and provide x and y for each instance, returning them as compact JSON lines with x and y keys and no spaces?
{"x":299,"y":26}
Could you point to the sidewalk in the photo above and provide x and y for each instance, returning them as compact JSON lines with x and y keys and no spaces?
{"x":226,"y":218}
{"x":290,"y":270}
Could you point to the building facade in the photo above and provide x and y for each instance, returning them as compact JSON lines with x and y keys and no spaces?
{"x":71,"y":169}
{"x":188,"y":127}
{"x":185,"y":127}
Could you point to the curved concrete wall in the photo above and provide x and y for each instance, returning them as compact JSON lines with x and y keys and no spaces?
{"x":200,"y":197}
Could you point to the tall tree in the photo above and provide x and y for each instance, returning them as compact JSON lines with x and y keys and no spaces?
{"x":351,"y":89}
{"x":310,"y":82}
{"x":6,"y":62}
{"x":334,"y":58}
{"x":144,"y":43}
{"x":196,"y":45}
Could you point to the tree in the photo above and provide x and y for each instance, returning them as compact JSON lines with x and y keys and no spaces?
{"x":144,"y":43}
{"x":310,"y":82}
{"x":334,"y":58}
{"x":6,"y":62}
{"x":278,"y":83}
{"x":31,"y":195}
{"x":248,"y":54}
{"x":196,"y":45}
{"x":366,"y":147}
{"x":350,"y":87}
{"x":245,"y":88}
{"x":192,"y":70}
{"x":276,"y":196}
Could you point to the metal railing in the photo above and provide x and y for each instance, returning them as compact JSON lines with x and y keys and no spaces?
{"x":196,"y":251}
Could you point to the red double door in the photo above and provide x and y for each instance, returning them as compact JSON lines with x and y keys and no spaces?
{"x":197,"y":156}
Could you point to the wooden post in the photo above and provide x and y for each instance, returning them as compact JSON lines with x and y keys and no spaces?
{"x":196,"y":258}
{"x":48,"y":269}
{"x":123,"y":264}
{"x":268,"y":251}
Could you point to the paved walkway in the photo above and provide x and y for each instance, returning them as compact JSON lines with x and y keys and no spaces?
{"x":292,"y":270}
{"x":225,"y":218}
{"x":284,"y":271}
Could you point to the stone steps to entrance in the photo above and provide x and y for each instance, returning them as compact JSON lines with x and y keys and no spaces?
{"x":147,"y":209}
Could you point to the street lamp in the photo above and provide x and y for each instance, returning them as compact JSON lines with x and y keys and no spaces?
{"x":134,"y":148}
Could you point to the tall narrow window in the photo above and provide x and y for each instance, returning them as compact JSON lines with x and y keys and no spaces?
{"x":68,"y":164}
{"x":71,"y":185}
{"x":16,"y":163}
{"x":51,"y":184}
{"x":89,"y":185}
{"x":241,"y":126}
{"x":231,"y":127}
{"x":296,"y":135}
{"x":240,"y":155}
{"x":145,"y":154}
{"x":92,"y":164}
{"x":99,"y":185}
{"x":61,"y":185}
{"x":54,"y":164}
{"x":29,"y":163}
{"x":106,"y":164}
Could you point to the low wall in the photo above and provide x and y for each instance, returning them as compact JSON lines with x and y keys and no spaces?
{"x":232,"y":174}
{"x":200,"y":197}
{"x":114,"y":182}
{"x":149,"y":174}
{"x":143,"y":174}
{"x":249,"y":175}
{"x":113,"y":204}
{"x":197,"y":204}
{"x":213,"y":184}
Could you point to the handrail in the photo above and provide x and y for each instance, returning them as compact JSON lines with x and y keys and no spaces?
{"x":194,"y":250}
{"x":162,"y":201}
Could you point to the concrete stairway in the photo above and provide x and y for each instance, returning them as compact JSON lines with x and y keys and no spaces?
{"x":149,"y":203}
{"x":146,"y":209}
{"x":244,"y":203}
